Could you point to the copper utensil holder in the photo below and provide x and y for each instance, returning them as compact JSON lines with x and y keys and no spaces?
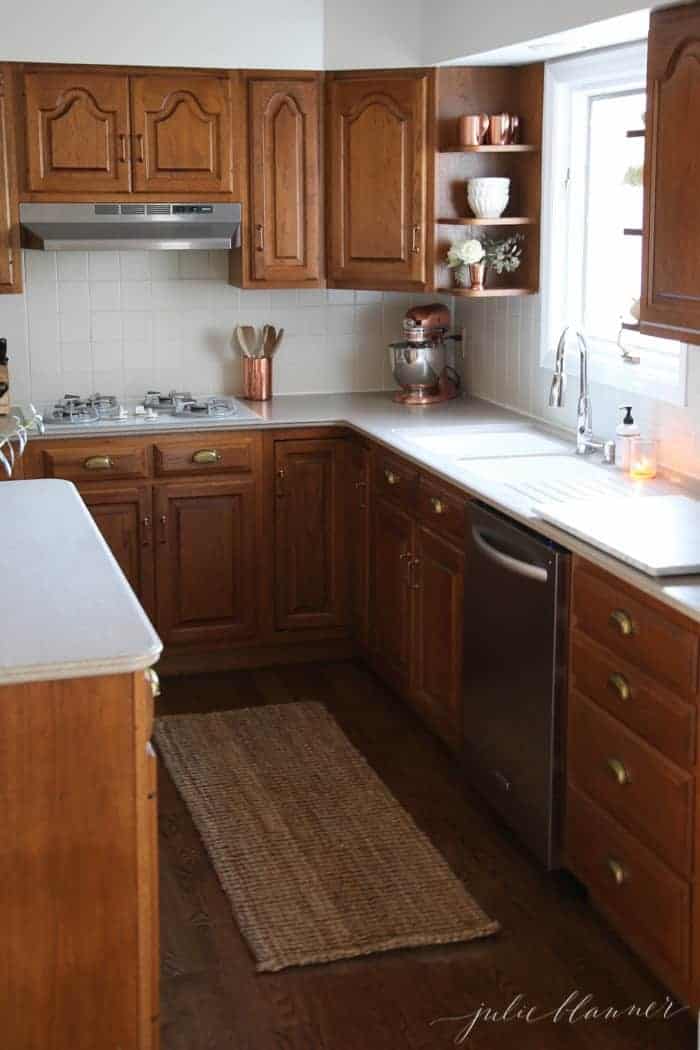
{"x":257,"y":378}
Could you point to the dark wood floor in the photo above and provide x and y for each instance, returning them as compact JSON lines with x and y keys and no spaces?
{"x":551,"y":944}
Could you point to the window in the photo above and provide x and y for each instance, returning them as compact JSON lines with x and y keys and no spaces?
{"x":592,"y":245}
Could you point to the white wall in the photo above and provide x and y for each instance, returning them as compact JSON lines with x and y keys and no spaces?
{"x":362,"y":34}
{"x":502,"y":364}
{"x":285,"y":34}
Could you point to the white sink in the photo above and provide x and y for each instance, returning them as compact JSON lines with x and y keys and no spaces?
{"x":468,"y":443}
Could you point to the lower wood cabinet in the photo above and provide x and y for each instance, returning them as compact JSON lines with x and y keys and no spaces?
{"x":357,"y":512}
{"x":207,"y":560}
{"x":416,"y":616}
{"x":124,"y":516}
{"x":78,"y":892}
{"x":310,"y":586}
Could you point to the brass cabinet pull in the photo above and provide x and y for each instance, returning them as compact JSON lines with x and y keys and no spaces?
{"x":122,"y":148}
{"x":163,"y":528}
{"x":617,"y":871}
{"x":146,"y":534}
{"x":139,"y":150}
{"x":391,"y":478}
{"x":623,"y":621}
{"x":98,"y":463}
{"x":206,"y":455}
{"x":619,"y":683}
{"x":415,"y":239}
{"x":259,"y":237}
{"x":437,"y":505}
{"x":619,"y":771}
{"x":153,"y":680}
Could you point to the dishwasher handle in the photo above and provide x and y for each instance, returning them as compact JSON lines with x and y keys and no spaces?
{"x":507,"y":561}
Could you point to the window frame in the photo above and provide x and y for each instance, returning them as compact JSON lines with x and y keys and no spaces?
{"x":570,"y":84}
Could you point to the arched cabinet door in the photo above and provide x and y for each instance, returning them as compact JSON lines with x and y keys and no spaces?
{"x":77,"y":131}
{"x":670,"y":303}
{"x":283,"y":134}
{"x":181,"y":128}
{"x":378,"y":161}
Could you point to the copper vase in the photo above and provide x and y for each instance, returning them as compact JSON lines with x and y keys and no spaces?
{"x":477,"y":273}
{"x":257,"y":378}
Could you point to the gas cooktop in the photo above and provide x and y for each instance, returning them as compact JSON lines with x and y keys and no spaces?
{"x":175,"y":406}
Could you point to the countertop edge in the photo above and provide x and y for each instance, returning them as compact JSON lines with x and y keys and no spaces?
{"x":83,"y":669}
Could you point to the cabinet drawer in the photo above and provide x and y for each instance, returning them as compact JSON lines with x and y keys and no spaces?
{"x":635,"y":631}
{"x":396,"y":480}
{"x":440,"y":509}
{"x":640,"y":788}
{"x":647,"y":903}
{"x":93,"y":462}
{"x":207,"y":454}
{"x":660,"y":717}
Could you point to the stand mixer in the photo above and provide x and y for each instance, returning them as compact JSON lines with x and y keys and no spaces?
{"x":419,"y":362}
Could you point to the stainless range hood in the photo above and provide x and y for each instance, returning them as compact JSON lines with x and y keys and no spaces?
{"x":120,"y":227}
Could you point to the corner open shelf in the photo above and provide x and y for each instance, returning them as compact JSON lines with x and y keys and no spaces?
{"x":505,"y":220}
{"x":487,"y":293}
{"x":515,"y":148}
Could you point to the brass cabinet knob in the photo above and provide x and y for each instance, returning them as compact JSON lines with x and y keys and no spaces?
{"x":617,"y":871}
{"x":619,"y":683}
{"x":206,"y":455}
{"x":391,"y":478}
{"x":623,"y":621}
{"x":98,"y":463}
{"x":437,"y":505}
{"x":153,"y":680}
{"x":619,"y":771}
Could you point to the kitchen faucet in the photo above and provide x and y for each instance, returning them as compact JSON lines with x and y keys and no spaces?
{"x":584,"y":414}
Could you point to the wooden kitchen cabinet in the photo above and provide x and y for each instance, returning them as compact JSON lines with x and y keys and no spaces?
{"x":358,"y":530}
{"x":670,"y":303}
{"x":182,"y":133}
{"x":379,"y":167}
{"x":310,"y":588}
{"x":438,"y":593}
{"x":79,"y":965}
{"x":77,"y":131}
{"x":282,"y":238}
{"x":207,"y":560}
{"x":391,"y":609}
{"x":10,"y":255}
{"x":124,"y":516}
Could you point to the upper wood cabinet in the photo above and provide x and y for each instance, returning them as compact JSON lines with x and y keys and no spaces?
{"x":670,"y":304}
{"x":310,"y":567}
{"x":77,"y":131}
{"x":10,"y":270}
{"x":182,"y":133}
{"x":284,"y":222}
{"x":89,"y":132}
{"x":378,"y":172}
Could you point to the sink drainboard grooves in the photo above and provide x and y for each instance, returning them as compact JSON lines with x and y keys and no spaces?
{"x":560,"y":491}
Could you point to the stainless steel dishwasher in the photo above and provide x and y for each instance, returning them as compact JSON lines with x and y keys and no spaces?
{"x":515,"y":625}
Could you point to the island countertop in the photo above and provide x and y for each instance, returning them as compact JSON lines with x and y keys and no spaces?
{"x":69,"y":611}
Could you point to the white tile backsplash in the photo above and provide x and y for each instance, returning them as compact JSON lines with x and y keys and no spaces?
{"x":125,"y":322}
{"x":502,"y":364}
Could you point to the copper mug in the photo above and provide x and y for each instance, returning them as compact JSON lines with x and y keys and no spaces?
{"x":257,"y":378}
{"x":472,"y":129}
{"x":499,"y":129}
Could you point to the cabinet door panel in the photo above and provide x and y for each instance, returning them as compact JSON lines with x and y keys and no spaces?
{"x":391,"y":619}
{"x":206,"y":561}
{"x":182,"y":134}
{"x":378,"y":171}
{"x":124,"y":517}
{"x":671,"y":279}
{"x":10,"y":270}
{"x":309,"y":550}
{"x":437,"y":650}
{"x":285,"y":191}
{"x":77,"y":132}
{"x":358,"y":526}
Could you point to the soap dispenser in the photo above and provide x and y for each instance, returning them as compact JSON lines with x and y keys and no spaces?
{"x":624,"y":433}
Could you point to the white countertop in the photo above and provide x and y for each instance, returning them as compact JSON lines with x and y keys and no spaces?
{"x":69,"y":611}
{"x":376,"y":416}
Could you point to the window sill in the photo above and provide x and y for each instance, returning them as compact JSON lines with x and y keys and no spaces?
{"x":606,"y":368}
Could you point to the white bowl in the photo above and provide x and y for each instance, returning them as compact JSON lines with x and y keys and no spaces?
{"x":488,"y":198}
